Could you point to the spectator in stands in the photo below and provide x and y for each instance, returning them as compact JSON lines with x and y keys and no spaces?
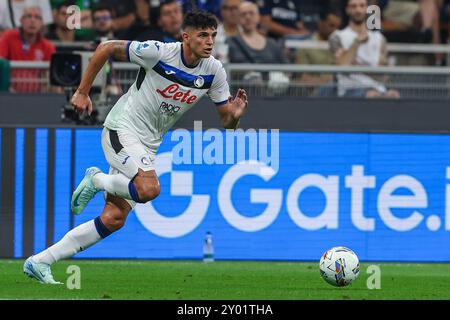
{"x":12,"y":11}
{"x":126,"y":13}
{"x":124,"y":16}
{"x":309,"y":11}
{"x":229,"y":26}
{"x":169,"y":22}
{"x":444,"y":9}
{"x":356,"y":45}
{"x":412,"y":15}
{"x":412,"y":21}
{"x":329,"y":22}
{"x":60,"y":30}
{"x":281,"y":18}
{"x":26,"y":43}
{"x":123,"y":12}
{"x":85,"y":7}
{"x":145,"y":18}
{"x":230,"y":17}
{"x":102,"y":22}
{"x":252,"y":47}
{"x":142,"y":12}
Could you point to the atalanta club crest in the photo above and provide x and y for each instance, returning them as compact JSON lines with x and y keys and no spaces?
{"x":199,"y":82}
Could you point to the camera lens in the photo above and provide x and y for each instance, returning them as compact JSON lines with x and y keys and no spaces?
{"x":65,"y":69}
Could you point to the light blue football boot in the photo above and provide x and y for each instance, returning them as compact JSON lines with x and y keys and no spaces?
{"x":39,"y":271}
{"x":85,"y":191}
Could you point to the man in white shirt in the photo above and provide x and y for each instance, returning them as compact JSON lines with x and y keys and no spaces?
{"x":172,"y":78}
{"x":356,"y":45}
{"x":12,"y":11}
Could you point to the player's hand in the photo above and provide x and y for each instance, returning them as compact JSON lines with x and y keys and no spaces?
{"x":81,"y":103}
{"x":239,"y":104}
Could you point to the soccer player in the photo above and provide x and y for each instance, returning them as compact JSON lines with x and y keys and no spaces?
{"x":171,"y":79}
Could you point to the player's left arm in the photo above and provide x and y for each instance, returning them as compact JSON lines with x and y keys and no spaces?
{"x":230,"y":109}
{"x":231,"y":112}
{"x":112,"y":48}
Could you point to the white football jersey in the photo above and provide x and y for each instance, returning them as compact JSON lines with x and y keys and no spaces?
{"x":165,"y":88}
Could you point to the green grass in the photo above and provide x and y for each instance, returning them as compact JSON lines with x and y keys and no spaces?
{"x":124,"y":279}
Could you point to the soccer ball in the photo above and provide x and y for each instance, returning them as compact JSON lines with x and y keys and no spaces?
{"x":339,"y":266}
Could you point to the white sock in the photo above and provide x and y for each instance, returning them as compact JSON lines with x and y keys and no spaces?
{"x":76,"y":240}
{"x":115,"y":184}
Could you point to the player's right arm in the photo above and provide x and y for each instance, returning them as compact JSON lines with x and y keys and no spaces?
{"x":118,"y":49}
{"x":145,"y":54}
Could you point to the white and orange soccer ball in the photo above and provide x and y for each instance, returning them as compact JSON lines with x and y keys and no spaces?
{"x":339,"y":266}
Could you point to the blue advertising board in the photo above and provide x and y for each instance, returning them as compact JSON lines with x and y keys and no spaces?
{"x":291,"y":197}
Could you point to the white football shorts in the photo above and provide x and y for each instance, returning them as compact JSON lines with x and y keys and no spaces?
{"x":126,"y":154}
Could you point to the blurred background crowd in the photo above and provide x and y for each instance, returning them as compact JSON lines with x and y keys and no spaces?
{"x":249,"y":32}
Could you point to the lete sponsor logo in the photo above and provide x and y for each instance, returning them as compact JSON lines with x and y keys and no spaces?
{"x":173,"y":92}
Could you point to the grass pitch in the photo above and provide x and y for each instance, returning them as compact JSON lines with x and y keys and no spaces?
{"x":221,"y":280}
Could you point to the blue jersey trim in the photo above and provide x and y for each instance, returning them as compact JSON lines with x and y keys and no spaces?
{"x":102,"y":230}
{"x":219,"y":104}
{"x":127,"y":50}
{"x":184,"y":61}
{"x":181,"y":77}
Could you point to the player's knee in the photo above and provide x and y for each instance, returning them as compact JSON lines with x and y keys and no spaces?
{"x":147,"y":191}
{"x":113,"y":222}
{"x":116,"y":223}
{"x":114,"y":214}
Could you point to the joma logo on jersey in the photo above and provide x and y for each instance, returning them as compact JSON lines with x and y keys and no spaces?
{"x":173,"y":92}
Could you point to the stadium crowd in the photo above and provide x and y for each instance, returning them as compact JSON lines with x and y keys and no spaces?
{"x":249,"y":31}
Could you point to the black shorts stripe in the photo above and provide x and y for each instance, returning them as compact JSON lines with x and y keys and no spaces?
{"x":7,"y":198}
{"x":28,"y":196}
{"x":50,"y":187}
{"x":72,"y":172}
{"x":115,"y":142}
{"x":140,"y":77}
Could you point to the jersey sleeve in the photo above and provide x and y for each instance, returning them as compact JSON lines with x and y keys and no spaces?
{"x":146,"y":54}
{"x":219,"y":91}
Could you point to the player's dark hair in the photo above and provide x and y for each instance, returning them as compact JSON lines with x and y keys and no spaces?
{"x":200,"y":19}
